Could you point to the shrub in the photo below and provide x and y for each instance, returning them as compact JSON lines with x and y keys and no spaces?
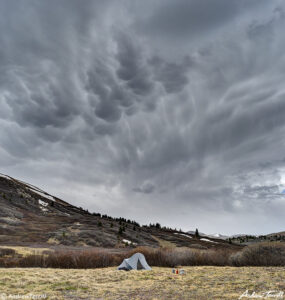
{"x":268,"y":254}
{"x":7,"y":252}
{"x":99,"y":258}
{"x":165,"y":257}
{"x":72,"y":260}
{"x":261,"y":254}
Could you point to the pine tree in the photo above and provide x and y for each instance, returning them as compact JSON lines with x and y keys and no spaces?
{"x":157,"y":225}
{"x":196,"y":233}
{"x":120,"y":230}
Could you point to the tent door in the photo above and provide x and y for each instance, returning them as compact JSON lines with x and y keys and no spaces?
{"x":139,"y":265}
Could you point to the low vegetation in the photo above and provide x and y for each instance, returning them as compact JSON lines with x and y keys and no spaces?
{"x":250,"y":239}
{"x":263,"y":254}
{"x":267,"y":254}
{"x":4,"y":252}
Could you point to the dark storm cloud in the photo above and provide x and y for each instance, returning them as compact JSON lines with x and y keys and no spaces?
{"x":116,"y":90}
{"x":132,"y":69}
{"x":176,"y":113}
{"x":105,"y":105}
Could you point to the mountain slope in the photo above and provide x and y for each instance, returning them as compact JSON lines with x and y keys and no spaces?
{"x":29,"y":215}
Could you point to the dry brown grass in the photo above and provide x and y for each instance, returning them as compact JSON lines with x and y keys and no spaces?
{"x":198,"y":283}
{"x":25,"y":251}
{"x":164,"y":243}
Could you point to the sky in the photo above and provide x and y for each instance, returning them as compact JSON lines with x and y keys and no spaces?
{"x":156,"y":110}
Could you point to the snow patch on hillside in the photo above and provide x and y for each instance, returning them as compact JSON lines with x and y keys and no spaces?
{"x":43,"y":203}
{"x":129,"y":242}
{"x":43,"y":206}
{"x":41,"y":193}
{"x":206,"y":240}
{"x":43,"y":209}
{"x":190,"y":237}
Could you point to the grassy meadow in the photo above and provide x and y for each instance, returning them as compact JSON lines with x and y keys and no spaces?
{"x":199,"y":282}
{"x":25,"y":251}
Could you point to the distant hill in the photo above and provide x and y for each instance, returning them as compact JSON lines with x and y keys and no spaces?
{"x":251,"y":239}
{"x":245,"y":239}
{"x":29,"y":215}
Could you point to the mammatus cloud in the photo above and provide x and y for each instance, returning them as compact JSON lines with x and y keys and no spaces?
{"x":178,"y":116}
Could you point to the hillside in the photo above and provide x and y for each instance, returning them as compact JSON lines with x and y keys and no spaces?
{"x":30,"y":216}
{"x":252,"y":239}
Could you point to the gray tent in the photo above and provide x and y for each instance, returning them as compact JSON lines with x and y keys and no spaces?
{"x":135,"y":262}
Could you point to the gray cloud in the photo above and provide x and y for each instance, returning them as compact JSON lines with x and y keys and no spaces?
{"x":132,"y":69}
{"x":173,"y":76}
{"x":146,"y":188}
{"x":179,"y":113}
{"x":177,"y":19}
